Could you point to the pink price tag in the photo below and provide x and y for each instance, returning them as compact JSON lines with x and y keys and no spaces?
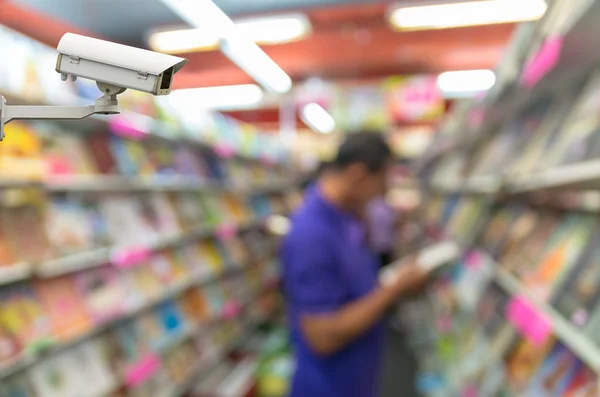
{"x":224,"y":150}
{"x":473,"y":260}
{"x":130,"y":257}
{"x":533,"y":325}
{"x":141,"y":371}
{"x":226,"y":231}
{"x":120,"y":126}
{"x":475,"y":117}
{"x":444,"y":323}
{"x":542,"y":62}
{"x":231,"y":310}
{"x":469,"y":391}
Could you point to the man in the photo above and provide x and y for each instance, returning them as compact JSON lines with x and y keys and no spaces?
{"x":330,"y":276}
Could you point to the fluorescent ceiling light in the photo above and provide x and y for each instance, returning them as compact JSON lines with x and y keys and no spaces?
{"x":317,"y":118}
{"x":257,"y":64}
{"x":204,"y":14}
{"x":464,"y":81}
{"x":265,"y":30}
{"x":218,"y":98}
{"x":485,"y":12}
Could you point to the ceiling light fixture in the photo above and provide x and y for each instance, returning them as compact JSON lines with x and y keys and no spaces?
{"x":465,"y":81}
{"x":206,"y":15}
{"x":219,"y":98}
{"x":317,"y":118}
{"x":264,"y":30}
{"x":471,"y":13}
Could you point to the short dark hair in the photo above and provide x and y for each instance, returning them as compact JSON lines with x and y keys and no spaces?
{"x":366,"y":147}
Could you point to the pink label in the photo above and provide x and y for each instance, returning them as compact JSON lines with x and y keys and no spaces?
{"x":231,"y":310}
{"x":265,"y":160}
{"x":532,"y":324}
{"x":542,"y":62}
{"x":444,"y":323}
{"x":59,"y":166}
{"x":226,"y":231}
{"x":129,"y":257}
{"x":141,"y":371}
{"x":469,"y":391}
{"x":473,"y":260}
{"x":475,"y":117}
{"x":125,"y":129}
{"x":224,"y":150}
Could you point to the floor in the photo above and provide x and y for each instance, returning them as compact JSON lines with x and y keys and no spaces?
{"x":399,"y":368}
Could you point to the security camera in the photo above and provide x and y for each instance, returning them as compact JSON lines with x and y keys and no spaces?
{"x":114,"y":67}
{"x":116,"y":64}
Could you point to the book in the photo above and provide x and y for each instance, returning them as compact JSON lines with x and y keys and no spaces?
{"x":9,"y":345}
{"x":497,"y":230}
{"x":189,"y":209}
{"x":166,"y":218}
{"x":580,"y":293}
{"x":69,"y":226}
{"x":103,"y":292}
{"x":100,"y":147}
{"x":194,"y":306}
{"x":128,"y":222}
{"x":64,"y":306}
{"x":524,"y":361}
{"x":583,"y":384}
{"x":554,"y":375}
{"x":564,"y":248}
{"x":67,"y":154}
{"x":72,"y":372}
{"x":24,"y":230}
{"x":23,"y":317}
{"x":526,"y":228}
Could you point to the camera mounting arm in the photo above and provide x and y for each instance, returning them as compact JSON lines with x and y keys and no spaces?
{"x":107,"y":104}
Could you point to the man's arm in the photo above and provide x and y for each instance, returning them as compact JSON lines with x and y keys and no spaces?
{"x":328,"y":333}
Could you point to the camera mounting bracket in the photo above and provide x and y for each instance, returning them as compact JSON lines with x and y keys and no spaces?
{"x":107,"y":104}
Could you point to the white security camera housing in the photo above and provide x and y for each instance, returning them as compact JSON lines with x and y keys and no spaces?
{"x":114,"y":67}
{"x":116,"y":64}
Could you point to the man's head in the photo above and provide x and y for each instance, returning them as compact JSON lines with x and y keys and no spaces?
{"x":360,"y":167}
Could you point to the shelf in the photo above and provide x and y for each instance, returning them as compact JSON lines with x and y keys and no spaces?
{"x":101,"y":256}
{"x":582,"y":176}
{"x":73,"y":263}
{"x":566,"y":332}
{"x":110,"y":183}
{"x":484,"y":185}
{"x":578,"y":177}
{"x":16,"y":272}
{"x":204,"y":367}
{"x":170,"y":292}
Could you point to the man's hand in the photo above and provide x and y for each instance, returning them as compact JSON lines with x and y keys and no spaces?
{"x":408,"y":277}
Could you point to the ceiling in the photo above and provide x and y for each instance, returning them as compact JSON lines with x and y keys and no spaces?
{"x":351,"y":39}
{"x":126,"y":21}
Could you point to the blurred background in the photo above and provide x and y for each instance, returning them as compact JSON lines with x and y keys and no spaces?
{"x":138,"y":252}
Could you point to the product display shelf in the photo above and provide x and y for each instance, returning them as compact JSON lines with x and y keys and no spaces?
{"x":581,"y":345}
{"x":564,"y":331}
{"x":177,"y":289}
{"x":487,"y":273}
{"x":484,"y":185}
{"x":149,"y":128}
{"x":205,"y":367}
{"x":207,"y":363}
{"x":579,"y":176}
{"x":101,"y":256}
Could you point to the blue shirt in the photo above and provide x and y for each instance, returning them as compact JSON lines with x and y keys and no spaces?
{"x":327,"y":264}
